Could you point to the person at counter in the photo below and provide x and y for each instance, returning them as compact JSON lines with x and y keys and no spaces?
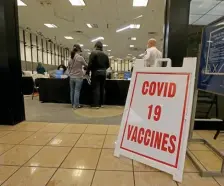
{"x":98,"y":65}
{"x":62,"y":67}
{"x":152,"y":53}
{"x":75,"y":72}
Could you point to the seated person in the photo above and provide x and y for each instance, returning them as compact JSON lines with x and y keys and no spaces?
{"x":40,"y":69}
{"x":62,"y":67}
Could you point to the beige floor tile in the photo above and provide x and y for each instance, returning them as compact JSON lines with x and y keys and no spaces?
{"x":109,"y":162}
{"x":5,"y":147}
{"x":197,"y":146}
{"x":113,"y":129}
{"x":153,"y":179}
{"x":6,"y":172}
{"x":82,"y":158}
{"x":110,"y":141}
{"x":15,"y":137}
{"x":3,"y":133}
{"x":139,"y":167}
{"x":30,"y":176}
{"x":7,"y":127}
{"x":72,"y":177}
{"x":39,"y":138}
{"x":189,"y":167}
{"x":75,"y":128}
{"x":64,"y":139}
{"x":208,"y":159}
{"x":113,"y":178}
{"x":220,"y":181}
{"x":90,"y":140}
{"x":193,"y":179}
{"x":32,"y":127}
{"x":96,"y":129}
{"x":18,"y":155}
{"x":196,"y":135}
{"x":53,"y":127}
{"x":49,"y":157}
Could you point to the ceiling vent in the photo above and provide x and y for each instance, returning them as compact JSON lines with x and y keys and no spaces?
{"x":152,"y":33}
{"x":95,"y":25}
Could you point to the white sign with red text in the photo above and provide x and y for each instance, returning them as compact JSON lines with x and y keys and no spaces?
{"x":156,"y":120}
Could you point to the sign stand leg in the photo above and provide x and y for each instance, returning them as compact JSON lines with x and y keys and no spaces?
{"x":178,"y":176}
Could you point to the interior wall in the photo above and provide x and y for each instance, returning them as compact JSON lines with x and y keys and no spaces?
{"x":36,"y":48}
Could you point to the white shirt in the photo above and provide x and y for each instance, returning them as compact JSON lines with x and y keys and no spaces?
{"x":151,"y":55}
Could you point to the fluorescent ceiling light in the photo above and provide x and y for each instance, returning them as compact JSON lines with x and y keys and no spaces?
{"x":131,"y":26}
{"x":50,"y":25}
{"x":132,"y":46}
{"x":138,"y":17}
{"x":97,"y":39}
{"x":137,"y":26}
{"x":20,"y":3}
{"x":108,"y":50}
{"x":89,"y":53}
{"x":140,"y":3}
{"x":69,"y":37}
{"x":89,"y":25}
{"x":134,"y":58}
{"x":77,"y":2}
{"x":81,"y":45}
{"x":133,"y":38}
{"x":129,"y":54}
{"x":105,"y":45}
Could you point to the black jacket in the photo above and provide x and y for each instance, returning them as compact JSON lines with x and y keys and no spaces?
{"x":98,"y":60}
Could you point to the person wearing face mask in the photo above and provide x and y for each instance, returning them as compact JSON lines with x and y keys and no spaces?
{"x":152,"y":53}
{"x":62,"y":67}
{"x":76,"y":74}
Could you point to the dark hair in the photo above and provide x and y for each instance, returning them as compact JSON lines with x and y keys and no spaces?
{"x":76,"y":48}
{"x":62,"y":66}
{"x":99,"y":45}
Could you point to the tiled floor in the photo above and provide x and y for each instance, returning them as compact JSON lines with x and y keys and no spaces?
{"x":39,"y":154}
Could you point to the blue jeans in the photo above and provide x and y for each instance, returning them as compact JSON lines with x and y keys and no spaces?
{"x":75,"y":88}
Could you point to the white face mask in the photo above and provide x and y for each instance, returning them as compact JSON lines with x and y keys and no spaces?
{"x":61,"y":69}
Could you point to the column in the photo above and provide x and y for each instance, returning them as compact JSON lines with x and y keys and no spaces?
{"x":176,"y":30}
{"x":11,"y":98}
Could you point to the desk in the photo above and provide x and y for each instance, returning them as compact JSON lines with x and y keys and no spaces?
{"x":58,"y":91}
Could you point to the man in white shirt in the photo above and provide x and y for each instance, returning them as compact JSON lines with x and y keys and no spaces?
{"x":152,"y":53}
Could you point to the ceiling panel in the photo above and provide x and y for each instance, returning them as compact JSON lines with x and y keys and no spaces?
{"x":202,"y":6}
{"x":218,"y":10}
{"x":194,"y":18}
{"x":206,"y":19}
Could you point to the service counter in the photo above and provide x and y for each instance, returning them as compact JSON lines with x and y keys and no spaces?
{"x":58,"y":91}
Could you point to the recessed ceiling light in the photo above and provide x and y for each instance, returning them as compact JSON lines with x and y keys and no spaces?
{"x":89,"y":25}
{"x":105,"y":45}
{"x":50,"y":25}
{"x":69,"y":37}
{"x":89,"y":53}
{"x":132,"y":46}
{"x":131,"y":26}
{"x":77,"y":2}
{"x":97,"y":39}
{"x":20,"y":3}
{"x":133,"y":38}
{"x":138,"y":17}
{"x":81,"y":45}
{"x":108,"y":50}
{"x":139,"y":3}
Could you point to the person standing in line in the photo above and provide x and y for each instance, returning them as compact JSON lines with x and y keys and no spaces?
{"x":75,"y":73}
{"x":98,"y":65}
{"x":152,"y":53}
